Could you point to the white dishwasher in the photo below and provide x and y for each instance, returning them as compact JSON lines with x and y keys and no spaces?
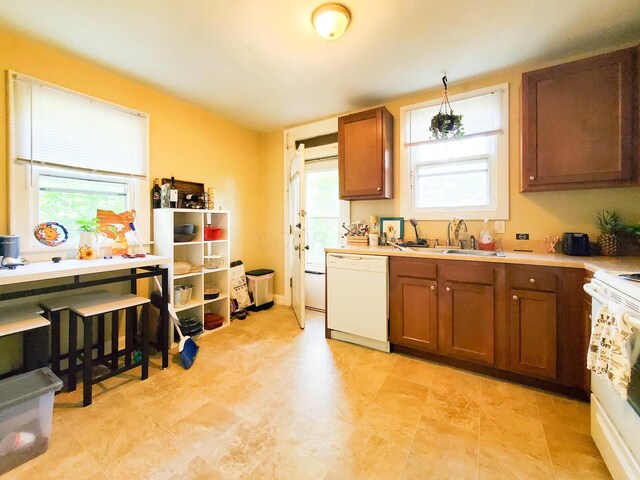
{"x":357,"y":299}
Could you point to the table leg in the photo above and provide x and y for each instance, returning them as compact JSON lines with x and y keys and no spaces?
{"x":145,"y":341}
{"x":129,"y":334}
{"x":36,"y":348}
{"x":101,"y":320}
{"x":88,"y":361}
{"x":54,"y":317}
{"x":165,"y":330}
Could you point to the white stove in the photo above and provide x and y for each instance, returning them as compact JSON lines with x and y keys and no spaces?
{"x":615,"y":422}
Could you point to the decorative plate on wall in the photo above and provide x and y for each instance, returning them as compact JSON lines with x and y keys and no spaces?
{"x":51,"y":234}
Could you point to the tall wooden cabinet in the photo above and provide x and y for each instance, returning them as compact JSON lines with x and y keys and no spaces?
{"x":365,"y":155}
{"x":580,"y":123}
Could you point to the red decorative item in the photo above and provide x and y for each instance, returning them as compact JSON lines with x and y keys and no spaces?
{"x":211,"y":321}
{"x":212,"y":233}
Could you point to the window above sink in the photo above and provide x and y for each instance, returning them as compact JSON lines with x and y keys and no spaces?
{"x":465,"y":177}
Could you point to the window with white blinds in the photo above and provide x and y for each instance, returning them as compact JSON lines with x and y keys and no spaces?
{"x":56,"y":127}
{"x":465,"y":177}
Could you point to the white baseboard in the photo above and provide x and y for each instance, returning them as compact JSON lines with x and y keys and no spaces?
{"x":278,"y":299}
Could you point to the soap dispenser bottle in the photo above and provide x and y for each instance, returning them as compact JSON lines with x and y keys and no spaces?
{"x":486,"y":238}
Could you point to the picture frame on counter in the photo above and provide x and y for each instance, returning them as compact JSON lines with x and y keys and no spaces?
{"x":393,"y":227}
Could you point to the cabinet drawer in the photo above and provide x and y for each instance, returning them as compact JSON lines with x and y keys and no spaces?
{"x":533,"y":278}
{"x":412,"y":268}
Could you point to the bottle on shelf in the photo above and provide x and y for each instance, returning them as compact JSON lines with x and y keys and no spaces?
{"x":164,"y":195}
{"x":156,"y":194}
{"x":173,"y":194}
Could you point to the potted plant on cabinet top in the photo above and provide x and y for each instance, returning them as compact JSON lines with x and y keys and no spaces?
{"x":445,"y":124}
{"x":610,"y":225}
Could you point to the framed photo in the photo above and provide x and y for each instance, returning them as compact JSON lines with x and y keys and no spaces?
{"x":393,"y":227}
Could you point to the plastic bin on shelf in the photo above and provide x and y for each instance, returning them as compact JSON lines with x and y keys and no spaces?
{"x":26,"y":411}
{"x":260,"y":284}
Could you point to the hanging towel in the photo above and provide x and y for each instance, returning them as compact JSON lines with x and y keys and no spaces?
{"x":610,"y":348}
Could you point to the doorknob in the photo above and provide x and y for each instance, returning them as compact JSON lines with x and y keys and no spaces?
{"x":515,"y":297}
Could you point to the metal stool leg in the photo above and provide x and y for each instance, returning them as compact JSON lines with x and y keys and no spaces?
{"x":101,"y":338}
{"x":88,"y":361}
{"x":73,"y":351}
{"x":145,"y":341}
{"x":54,"y":317}
{"x":114,"y":340}
{"x":129,"y":334}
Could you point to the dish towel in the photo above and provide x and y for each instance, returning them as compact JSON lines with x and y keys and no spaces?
{"x":610,"y":347}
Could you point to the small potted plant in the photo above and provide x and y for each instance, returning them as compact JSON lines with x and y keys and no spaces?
{"x":88,"y":243}
{"x":445,"y":124}
{"x":610,"y":225}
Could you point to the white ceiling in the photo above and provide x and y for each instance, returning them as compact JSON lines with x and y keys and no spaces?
{"x":261,"y":63}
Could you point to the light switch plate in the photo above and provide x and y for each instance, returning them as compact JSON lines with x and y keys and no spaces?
{"x":499,"y":226}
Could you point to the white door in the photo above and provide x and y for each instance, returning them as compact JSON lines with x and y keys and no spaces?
{"x":298,"y":233}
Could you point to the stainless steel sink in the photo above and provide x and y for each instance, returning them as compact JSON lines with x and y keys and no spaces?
{"x":477,"y":253}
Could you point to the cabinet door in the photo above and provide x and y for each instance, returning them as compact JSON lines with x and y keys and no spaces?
{"x":414,"y":313}
{"x":533,"y":333}
{"x":467,"y":318}
{"x":365,"y":155}
{"x":578,"y":124}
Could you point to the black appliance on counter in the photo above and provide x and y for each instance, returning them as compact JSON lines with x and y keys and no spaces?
{"x":575,"y":244}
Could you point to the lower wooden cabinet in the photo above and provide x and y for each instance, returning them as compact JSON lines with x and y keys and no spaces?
{"x":414,"y":313}
{"x":468,"y":321}
{"x":533,"y":325}
{"x":525,"y":320}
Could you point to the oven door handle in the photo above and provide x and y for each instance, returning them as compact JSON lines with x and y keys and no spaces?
{"x":629,"y":317}
{"x":591,"y":290}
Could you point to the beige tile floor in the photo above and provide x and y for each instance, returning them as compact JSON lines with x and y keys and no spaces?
{"x":266,"y":400}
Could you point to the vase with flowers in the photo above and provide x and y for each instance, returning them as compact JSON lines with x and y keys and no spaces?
{"x":88,"y":244}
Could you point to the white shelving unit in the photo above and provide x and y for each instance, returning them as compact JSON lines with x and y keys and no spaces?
{"x":196,"y":253}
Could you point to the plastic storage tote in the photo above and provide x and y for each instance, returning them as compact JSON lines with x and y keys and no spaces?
{"x":26,"y":411}
{"x":260,"y":283}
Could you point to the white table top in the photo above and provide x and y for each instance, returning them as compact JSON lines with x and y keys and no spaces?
{"x":69,"y":268}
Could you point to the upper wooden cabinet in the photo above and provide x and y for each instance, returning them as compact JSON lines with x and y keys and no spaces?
{"x":579,"y":121}
{"x":365,"y":155}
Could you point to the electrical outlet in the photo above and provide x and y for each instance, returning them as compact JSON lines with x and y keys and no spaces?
{"x":499,"y":226}
{"x":522,"y":236}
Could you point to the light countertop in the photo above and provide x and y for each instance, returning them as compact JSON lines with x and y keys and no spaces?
{"x":521,"y":258}
{"x":37,"y":271}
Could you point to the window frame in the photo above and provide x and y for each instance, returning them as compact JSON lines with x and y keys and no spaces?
{"x":23,"y":188}
{"x":498,"y":167}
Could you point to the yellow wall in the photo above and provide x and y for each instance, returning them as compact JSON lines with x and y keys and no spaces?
{"x":190,"y":142}
{"x":538,"y":214}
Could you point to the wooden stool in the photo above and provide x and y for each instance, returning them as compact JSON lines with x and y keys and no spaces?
{"x":90,"y":309}
{"x":53,"y":307}
{"x":27,"y":319}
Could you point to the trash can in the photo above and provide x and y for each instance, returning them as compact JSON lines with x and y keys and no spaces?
{"x":260,"y":283}
{"x":26,"y":411}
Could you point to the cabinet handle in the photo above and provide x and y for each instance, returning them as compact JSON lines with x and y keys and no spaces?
{"x":590,"y":317}
{"x":432,"y":287}
{"x":378,"y":189}
{"x":532,"y":280}
{"x":515,"y":297}
{"x":448,"y":289}
{"x":532,"y":177}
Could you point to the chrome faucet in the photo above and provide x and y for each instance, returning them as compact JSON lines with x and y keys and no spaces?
{"x":454,"y":228}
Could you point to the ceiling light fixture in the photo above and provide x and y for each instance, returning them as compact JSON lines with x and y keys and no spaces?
{"x":331,"y":20}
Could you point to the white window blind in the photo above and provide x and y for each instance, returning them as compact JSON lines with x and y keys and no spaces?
{"x":56,"y":127}
{"x":482,"y":115}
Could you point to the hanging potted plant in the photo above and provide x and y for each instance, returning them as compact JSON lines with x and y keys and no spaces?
{"x":445,"y":124}
{"x":610,"y":225}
